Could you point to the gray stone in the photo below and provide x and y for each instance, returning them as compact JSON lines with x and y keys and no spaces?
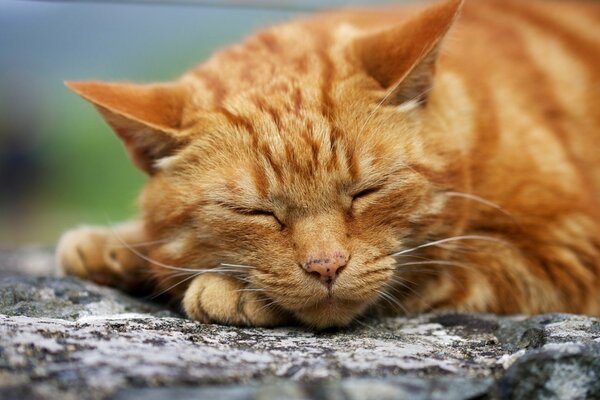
{"x":66,"y":338}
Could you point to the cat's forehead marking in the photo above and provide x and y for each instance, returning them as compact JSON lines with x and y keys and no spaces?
{"x":263,"y":58}
{"x":290,"y":164}
{"x":284,"y":104}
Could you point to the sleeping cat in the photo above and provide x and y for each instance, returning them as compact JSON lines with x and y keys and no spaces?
{"x":367,"y":162}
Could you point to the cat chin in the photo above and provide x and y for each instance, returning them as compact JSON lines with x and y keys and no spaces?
{"x":330,"y":314}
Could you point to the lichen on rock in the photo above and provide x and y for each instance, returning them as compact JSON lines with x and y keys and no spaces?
{"x":67,"y":338}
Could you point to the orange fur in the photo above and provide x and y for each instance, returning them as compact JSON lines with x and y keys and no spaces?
{"x":351,"y":138}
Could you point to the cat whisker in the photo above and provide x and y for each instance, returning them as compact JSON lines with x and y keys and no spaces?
{"x":411,"y":102}
{"x":391,"y":300}
{"x":224,"y":270}
{"x":391,"y":91}
{"x":174,"y":286}
{"x":146,"y":258}
{"x":142,"y":244}
{"x":377,"y":107}
{"x":425,"y":305}
{"x":218,"y":270}
{"x":252,"y":277}
{"x":434,"y":272}
{"x":481,"y":200}
{"x":174,"y":274}
{"x":199,"y":272}
{"x":457,"y":248}
{"x":403,"y":283}
{"x":269,"y":280}
{"x":196,"y":274}
{"x":251,"y":290}
{"x":450,"y":263}
{"x":237,"y":265}
{"x":414,"y":256}
{"x":364,"y":325}
{"x":427,"y":271}
{"x":417,"y":295}
{"x":171,"y":267}
{"x":272,"y":303}
{"x":401,"y":280}
{"x":451,"y":239}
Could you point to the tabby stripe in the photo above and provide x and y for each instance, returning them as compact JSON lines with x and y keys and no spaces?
{"x":213,"y":83}
{"x":297,"y":100}
{"x":586,"y":50}
{"x":270,"y":42}
{"x":478,"y":88}
{"x":534,"y":83}
{"x":265,"y":151}
{"x":263,"y":106}
{"x":308,"y":136}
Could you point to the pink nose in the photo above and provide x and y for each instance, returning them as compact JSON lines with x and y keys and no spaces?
{"x":326,"y":268}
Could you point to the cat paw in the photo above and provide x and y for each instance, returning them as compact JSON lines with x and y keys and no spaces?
{"x":216,"y":298}
{"x":93,"y":253}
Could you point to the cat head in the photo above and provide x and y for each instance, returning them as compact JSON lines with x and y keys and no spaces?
{"x":308,"y":154}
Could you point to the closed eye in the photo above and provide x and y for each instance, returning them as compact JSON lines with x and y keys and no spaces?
{"x":366,"y":192}
{"x":256,"y":212}
{"x":252,"y":211}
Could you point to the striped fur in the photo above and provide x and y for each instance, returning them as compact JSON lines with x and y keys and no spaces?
{"x":482,"y":128}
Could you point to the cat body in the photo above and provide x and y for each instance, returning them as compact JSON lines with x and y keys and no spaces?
{"x":361,"y":162}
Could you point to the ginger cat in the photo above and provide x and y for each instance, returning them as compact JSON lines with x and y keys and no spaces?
{"x":367,"y":162}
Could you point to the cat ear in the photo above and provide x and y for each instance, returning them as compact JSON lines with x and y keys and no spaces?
{"x":402,"y":59}
{"x":147,"y":118}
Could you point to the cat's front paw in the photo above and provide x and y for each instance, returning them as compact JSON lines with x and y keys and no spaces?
{"x":93,"y":253}
{"x":216,"y":298}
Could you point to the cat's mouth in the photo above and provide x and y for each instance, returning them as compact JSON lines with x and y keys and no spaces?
{"x":330,"y":312}
{"x":333,"y":301}
{"x":337,"y":304}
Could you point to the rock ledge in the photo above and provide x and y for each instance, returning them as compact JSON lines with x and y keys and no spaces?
{"x":70,"y":339}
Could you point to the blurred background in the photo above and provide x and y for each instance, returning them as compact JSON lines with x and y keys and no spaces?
{"x":60,"y":165}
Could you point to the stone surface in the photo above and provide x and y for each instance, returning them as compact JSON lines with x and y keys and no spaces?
{"x":69,"y":339}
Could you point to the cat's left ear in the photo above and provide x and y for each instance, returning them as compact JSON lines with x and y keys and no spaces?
{"x":402,"y":58}
{"x":147,"y":118}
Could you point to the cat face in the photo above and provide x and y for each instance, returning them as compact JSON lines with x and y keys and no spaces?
{"x":314,"y":215}
{"x":307,"y":179}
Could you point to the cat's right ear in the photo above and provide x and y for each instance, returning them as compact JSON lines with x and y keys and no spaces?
{"x":147,"y":118}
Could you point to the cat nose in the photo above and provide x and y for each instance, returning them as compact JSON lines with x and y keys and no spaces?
{"x":326,"y":268}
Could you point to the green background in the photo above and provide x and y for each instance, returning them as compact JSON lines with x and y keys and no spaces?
{"x":67,"y":167}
